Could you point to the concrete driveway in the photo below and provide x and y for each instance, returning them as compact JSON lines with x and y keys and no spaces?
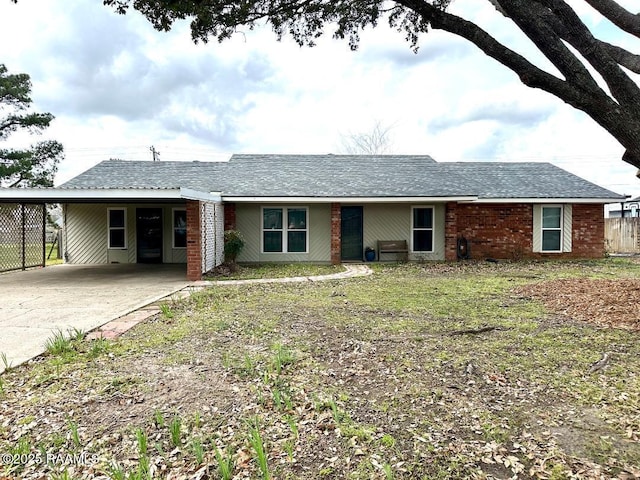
{"x":36,"y":303}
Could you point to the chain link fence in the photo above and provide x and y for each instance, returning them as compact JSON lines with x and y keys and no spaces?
{"x":22,"y":236}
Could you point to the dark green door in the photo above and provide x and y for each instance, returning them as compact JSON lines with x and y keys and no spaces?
{"x":351,"y":233}
{"x":149,"y":235}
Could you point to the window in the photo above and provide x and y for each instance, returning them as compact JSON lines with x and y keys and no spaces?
{"x":284,"y":230}
{"x":422,"y":226}
{"x":551,"y":229}
{"x":117,"y":227}
{"x":179,"y":228}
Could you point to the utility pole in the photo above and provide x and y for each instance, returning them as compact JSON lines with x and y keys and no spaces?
{"x":155,"y":153}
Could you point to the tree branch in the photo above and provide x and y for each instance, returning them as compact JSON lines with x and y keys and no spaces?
{"x":623,"y":57}
{"x":623,"y":88}
{"x":619,"y":16}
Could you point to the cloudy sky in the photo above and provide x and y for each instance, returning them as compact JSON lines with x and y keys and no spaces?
{"x":117,"y":88}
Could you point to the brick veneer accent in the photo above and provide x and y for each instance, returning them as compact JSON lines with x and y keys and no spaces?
{"x":194,"y":246}
{"x":450,"y":231}
{"x":588,"y":231}
{"x":505,"y":231}
{"x":496,"y":231}
{"x":229,"y":216}
{"x":336,"y":241}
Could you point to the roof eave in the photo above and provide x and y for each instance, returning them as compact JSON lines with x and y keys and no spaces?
{"x":303,"y":199}
{"x":602,"y":200}
{"x":77,"y":195}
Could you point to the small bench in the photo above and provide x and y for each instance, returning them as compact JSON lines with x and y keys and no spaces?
{"x":393,"y":246}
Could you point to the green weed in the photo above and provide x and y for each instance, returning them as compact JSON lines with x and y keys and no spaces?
{"x":141,"y":438}
{"x":255,"y":439}
{"x":175,"y":431}
{"x":283,"y":357}
{"x":166,"y":311}
{"x":5,"y":362}
{"x":58,"y":343}
{"x":388,"y":472}
{"x":225,"y":464}
{"x":98,"y":347}
{"x":158,"y":419}
{"x":74,"y":434}
{"x":116,"y":472}
{"x":198,"y":450}
{"x":293,"y":424}
{"x":64,"y":475}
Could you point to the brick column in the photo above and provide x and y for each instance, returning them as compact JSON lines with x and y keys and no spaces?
{"x":451,"y":231}
{"x":336,"y":241}
{"x":229,"y":216}
{"x":194,"y":241}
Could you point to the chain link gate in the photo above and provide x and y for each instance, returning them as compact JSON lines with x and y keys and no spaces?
{"x":22,"y":236}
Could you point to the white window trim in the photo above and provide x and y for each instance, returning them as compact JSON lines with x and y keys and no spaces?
{"x":433,"y":221}
{"x":285,"y":229}
{"x":173,"y":227}
{"x":109,"y":228}
{"x":560,"y":229}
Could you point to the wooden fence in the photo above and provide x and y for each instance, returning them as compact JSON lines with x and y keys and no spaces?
{"x":622,"y":235}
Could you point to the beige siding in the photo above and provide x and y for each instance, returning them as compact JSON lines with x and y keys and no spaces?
{"x":393,"y":222}
{"x":380,"y":222}
{"x":86,"y":234}
{"x":248,"y":222}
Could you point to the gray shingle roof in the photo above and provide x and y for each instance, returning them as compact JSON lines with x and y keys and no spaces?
{"x":125,"y":174}
{"x":346,"y":176}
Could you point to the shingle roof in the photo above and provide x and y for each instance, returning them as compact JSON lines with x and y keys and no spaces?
{"x":126,"y":174}
{"x":346,"y":176}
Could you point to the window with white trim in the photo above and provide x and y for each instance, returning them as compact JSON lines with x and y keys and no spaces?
{"x":179,"y":228}
{"x":422,"y":229}
{"x":284,"y":229}
{"x":552,"y":229}
{"x":117,"y":227}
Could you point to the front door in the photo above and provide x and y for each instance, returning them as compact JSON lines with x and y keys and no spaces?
{"x":149,"y":235}
{"x":351,"y":233}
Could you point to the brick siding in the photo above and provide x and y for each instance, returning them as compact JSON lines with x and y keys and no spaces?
{"x":336,"y":241}
{"x":506,"y":231}
{"x":194,"y":246}
{"x":588,"y":231}
{"x":229,"y":216}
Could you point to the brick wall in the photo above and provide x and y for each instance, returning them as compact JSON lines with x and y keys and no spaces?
{"x":229,"y":216}
{"x":336,"y":242}
{"x":194,"y":245}
{"x":496,"y":231}
{"x":588,"y":231}
{"x":506,"y":231}
{"x":450,"y":231}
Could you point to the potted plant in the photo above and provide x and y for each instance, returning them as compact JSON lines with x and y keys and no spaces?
{"x":369,"y":254}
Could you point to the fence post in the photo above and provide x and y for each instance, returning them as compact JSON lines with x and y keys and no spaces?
{"x":44,"y":234}
{"x":24,"y":235}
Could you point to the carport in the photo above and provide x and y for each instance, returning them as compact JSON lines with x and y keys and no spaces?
{"x":105,"y":225}
{"x":37,"y":302}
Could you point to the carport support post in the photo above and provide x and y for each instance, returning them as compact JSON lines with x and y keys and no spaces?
{"x":194,"y":241}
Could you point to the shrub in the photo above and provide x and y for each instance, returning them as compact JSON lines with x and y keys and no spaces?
{"x":233,"y":244}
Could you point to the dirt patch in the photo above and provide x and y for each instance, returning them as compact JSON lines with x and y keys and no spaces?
{"x":610,"y":303}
